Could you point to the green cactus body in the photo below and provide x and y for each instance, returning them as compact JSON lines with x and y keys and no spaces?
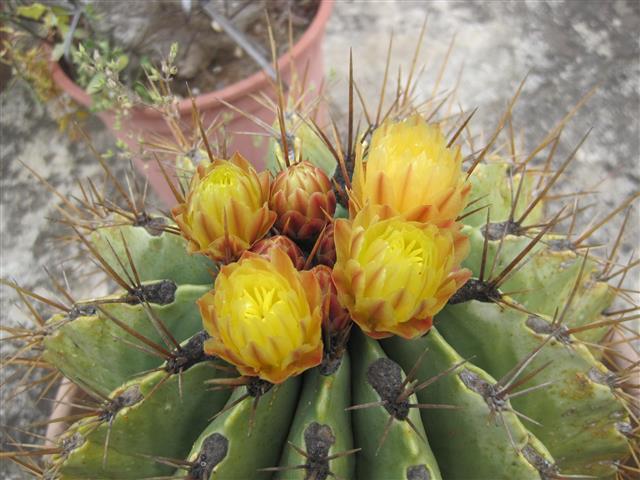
{"x":592,"y":299}
{"x":167,"y":408}
{"x":545,"y":283}
{"x":186,"y":165}
{"x":155,"y":255}
{"x":165,"y":415}
{"x":90,"y":458}
{"x":254,"y":439}
{"x":490,"y":184}
{"x":404,"y":453}
{"x":323,"y":400}
{"x":583,"y":424}
{"x":305,"y":141}
{"x":90,"y":349}
{"x":466,"y":442}
{"x":577,"y":417}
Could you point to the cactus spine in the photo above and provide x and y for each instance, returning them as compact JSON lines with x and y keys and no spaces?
{"x":513,"y":381}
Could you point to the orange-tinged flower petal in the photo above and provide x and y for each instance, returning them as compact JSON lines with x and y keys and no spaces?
{"x":394,"y":275}
{"x":267,"y":246}
{"x":408,"y":166}
{"x":264,"y":317}
{"x":226,"y":210}
{"x":335,"y":318}
{"x":303,"y":198}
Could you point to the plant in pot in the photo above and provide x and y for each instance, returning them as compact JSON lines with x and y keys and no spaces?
{"x":443,"y":328}
{"x":105,"y":53}
{"x":24,"y":38}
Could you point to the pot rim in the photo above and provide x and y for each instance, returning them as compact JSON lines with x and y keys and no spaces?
{"x":257,"y":80}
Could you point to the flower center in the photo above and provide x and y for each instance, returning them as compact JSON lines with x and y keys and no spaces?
{"x":401,"y":247}
{"x":398,"y":245}
{"x":222,"y":177}
{"x":259,"y":302}
{"x":263,"y":306}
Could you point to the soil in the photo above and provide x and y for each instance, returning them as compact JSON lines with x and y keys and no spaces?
{"x":218,"y":61}
{"x":233,"y":65}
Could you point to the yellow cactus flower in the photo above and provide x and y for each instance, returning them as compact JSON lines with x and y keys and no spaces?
{"x":394,"y":275}
{"x":264,"y":317}
{"x":408,"y":166}
{"x":226,"y":210}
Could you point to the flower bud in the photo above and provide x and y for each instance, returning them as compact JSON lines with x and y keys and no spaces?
{"x":265,"y":248}
{"x":335,"y":317}
{"x":226,"y":209}
{"x":303,"y":198}
{"x":326,"y":253}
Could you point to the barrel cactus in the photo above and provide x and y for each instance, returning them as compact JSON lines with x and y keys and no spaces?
{"x":434,"y":324}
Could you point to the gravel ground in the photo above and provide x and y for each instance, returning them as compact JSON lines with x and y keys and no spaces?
{"x":565,"y":47}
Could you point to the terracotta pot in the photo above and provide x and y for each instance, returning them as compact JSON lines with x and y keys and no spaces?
{"x":66,"y":394}
{"x":147,"y":123}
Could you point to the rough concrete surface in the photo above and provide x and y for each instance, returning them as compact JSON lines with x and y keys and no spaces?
{"x":566,"y":48}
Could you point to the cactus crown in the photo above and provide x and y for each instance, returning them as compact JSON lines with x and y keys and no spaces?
{"x":500,"y":364}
